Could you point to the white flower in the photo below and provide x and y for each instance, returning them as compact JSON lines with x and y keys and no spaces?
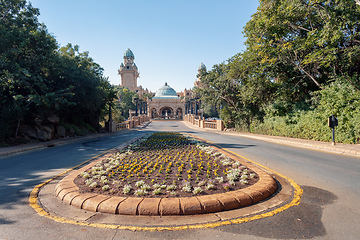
{"x":85,"y":175}
{"x":171,"y":187}
{"x":105,"y":187}
{"x":252,"y":175}
{"x":89,"y":181}
{"x":96,"y":169}
{"x":242,"y":181}
{"x":231,"y":182}
{"x":209,"y":186}
{"x":202,"y":183}
{"x":104,"y":179}
{"x":226,"y":162}
{"x":220,"y":179}
{"x":93,"y":185}
{"x":126,"y":189}
{"x":145,"y":187}
{"x":231,"y":177}
{"x":187,"y":187}
{"x":244,"y":177}
{"x":197,"y":190}
{"x":236,"y":165}
{"x":139,"y":183}
{"x":116,"y":183}
{"x":157,"y":191}
{"x":140,"y":192}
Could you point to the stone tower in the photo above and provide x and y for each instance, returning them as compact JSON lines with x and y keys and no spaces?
{"x":129,"y":71}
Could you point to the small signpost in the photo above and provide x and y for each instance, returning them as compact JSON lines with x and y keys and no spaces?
{"x":333,"y":122}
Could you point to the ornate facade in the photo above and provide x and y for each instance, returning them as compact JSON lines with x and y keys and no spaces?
{"x":166,"y":102}
{"x":129,"y":73}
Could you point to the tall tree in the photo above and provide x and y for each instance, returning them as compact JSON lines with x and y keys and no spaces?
{"x":38,"y":79}
{"x":313,"y":40}
{"x":25,"y":50}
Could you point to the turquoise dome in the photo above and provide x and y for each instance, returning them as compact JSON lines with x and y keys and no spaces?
{"x":166,"y":92}
{"x":129,"y":54}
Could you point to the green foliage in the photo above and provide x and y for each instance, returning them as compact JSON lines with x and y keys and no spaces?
{"x":122,"y":103}
{"x":37,"y":79}
{"x":226,"y":116}
{"x":340,"y":99}
{"x":311,"y":41}
{"x":301,"y":65}
{"x":209,"y":110}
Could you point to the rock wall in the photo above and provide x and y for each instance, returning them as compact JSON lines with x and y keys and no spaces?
{"x":42,"y":129}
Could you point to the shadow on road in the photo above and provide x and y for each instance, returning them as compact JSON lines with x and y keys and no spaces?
{"x":299,"y":222}
{"x":234,"y":145}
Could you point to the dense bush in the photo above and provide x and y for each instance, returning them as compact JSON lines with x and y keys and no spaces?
{"x":340,"y":99}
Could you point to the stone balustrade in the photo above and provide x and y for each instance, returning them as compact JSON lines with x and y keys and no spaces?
{"x":134,"y":122}
{"x":201,"y":123}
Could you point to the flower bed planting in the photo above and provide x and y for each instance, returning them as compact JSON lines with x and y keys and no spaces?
{"x":166,"y":164}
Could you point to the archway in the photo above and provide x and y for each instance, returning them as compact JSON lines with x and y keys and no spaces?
{"x":179,"y":113}
{"x":166,"y":112}
{"x":154,"y":113}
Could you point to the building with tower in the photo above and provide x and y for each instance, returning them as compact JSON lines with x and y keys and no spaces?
{"x":129,"y":73}
{"x":166,"y":102}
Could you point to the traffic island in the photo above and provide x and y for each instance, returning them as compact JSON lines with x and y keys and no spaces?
{"x":166,"y":205}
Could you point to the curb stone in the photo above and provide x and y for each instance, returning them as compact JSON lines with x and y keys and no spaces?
{"x":46,"y":204}
{"x":68,"y":192}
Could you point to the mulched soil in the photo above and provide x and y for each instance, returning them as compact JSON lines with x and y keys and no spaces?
{"x":165,"y":160}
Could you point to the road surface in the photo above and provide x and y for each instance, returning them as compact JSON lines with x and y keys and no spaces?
{"x":329,"y":206}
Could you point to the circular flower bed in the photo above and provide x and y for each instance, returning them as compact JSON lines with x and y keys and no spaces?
{"x":166,"y":164}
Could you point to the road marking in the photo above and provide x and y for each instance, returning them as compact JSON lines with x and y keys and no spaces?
{"x":33,"y":201}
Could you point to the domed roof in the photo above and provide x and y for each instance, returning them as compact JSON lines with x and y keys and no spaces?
{"x":166,"y":92}
{"x":129,"y":54}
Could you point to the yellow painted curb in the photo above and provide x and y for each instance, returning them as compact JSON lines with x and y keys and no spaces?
{"x":33,"y":201}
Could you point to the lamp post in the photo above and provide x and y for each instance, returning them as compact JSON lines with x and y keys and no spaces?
{"x":136,"y":106}
{"x":196,"y":106}
{"x":145,"y":108}
{"x":192,"y":106}
{"x":141,"y":106}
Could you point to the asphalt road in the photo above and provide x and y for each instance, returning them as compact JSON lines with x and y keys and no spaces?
{"x":329,"y":206}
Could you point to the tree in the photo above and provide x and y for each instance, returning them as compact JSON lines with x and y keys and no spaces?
{"x":25,"y":50}
{"x":37,"y":79}
{"x":313,"y":41}
{"x":91,"y":90}
{"x":123,"y":103}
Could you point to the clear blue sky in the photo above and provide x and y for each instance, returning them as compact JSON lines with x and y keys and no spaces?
{"x":169,"y":38}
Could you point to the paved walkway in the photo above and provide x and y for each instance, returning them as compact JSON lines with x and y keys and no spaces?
{"x":339,"y":148}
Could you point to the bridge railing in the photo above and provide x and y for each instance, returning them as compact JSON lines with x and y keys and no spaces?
{"x":134,"y":122}
{"x":202,"y":123}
